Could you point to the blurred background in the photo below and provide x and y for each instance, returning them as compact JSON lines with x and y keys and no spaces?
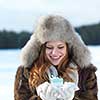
{"x":18,"y":20}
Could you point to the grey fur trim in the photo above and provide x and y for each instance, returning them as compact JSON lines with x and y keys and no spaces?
{"x":30,"y":52}
{"x":55,"y":28}
{"x":81,"y":53}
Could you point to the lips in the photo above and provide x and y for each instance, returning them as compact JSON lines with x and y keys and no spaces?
{"x":55,"y":58}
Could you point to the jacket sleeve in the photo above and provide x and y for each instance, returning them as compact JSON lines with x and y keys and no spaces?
{"x":88,"y":85}
{"x":21,"y":87}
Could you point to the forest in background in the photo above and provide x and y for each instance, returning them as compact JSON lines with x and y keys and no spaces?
{"x":12,"y":40}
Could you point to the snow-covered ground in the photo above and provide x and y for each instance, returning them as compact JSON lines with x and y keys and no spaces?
{"x":9,"y":61}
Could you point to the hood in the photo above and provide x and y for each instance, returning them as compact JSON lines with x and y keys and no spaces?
{"x":55,"y":27}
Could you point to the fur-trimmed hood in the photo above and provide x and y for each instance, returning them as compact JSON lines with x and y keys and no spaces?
{"x":55,"y":28}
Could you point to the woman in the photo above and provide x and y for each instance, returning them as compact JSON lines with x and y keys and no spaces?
{"x":55,"y":43}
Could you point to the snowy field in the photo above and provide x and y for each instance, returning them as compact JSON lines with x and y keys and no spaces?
{"x":9,"y":61}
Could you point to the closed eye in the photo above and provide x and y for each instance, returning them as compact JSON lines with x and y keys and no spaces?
{"x":49,"y":47}
{"x":61,"y":47}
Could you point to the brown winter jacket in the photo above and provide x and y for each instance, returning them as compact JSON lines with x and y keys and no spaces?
{"x":87,"y":84}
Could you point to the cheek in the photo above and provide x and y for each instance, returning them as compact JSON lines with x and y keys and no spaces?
{"x":65,"y":52}
{"x":48,"y":53}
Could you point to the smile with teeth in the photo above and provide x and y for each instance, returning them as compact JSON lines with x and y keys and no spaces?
{"x":55,"y":58}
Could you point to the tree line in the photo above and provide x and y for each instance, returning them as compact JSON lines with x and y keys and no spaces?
{"x":90,"y":34}
{"x":11,"y":39}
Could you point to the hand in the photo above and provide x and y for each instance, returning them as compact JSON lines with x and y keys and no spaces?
{"x":47,"y":92}
{"x":68,"y":90}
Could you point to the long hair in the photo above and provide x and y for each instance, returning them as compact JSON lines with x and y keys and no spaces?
{"x":38,"y":73}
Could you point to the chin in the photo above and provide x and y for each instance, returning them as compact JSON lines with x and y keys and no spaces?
{"x":55,"y":64}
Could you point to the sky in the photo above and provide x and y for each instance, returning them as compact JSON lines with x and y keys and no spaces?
{"x":21,"y":15}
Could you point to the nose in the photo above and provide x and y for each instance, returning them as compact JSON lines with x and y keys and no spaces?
{"x":54,"y":52}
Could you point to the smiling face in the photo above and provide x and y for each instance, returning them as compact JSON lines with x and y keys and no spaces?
{"x":56,"y":51}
